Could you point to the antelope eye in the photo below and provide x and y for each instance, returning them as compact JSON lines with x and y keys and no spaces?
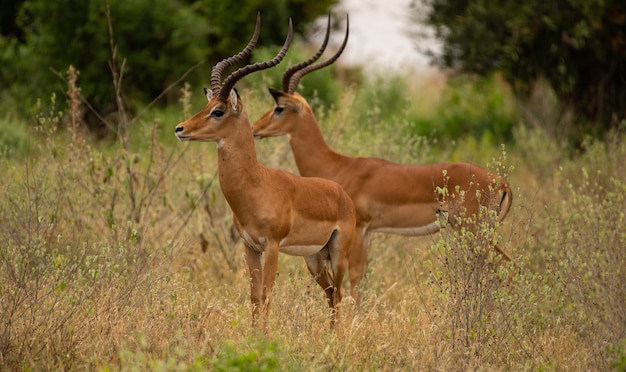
{"x":217,"y":113}
{"x":278,"y":109}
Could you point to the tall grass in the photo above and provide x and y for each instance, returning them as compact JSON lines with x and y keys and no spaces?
{"x":119,"y":256}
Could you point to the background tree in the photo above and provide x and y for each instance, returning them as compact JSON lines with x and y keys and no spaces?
{"x":158,"y":40}
{"x":233,"y":21}
{"x":578,"y":46}
{"x":8,"y":17}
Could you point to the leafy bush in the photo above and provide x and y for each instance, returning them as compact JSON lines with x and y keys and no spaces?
{"x":261,"y":356}
{"x":321,"y":88}
{"x":157,"y":41}
{"x":577,"y":243}
{"x":478,"y":295}
{"x":381,"y":101}
{"x":17,"y":95}
{"x":592,"y":242}
{"x":479,"y":107}
{"x":233,"y":22}
{"x":578,"y":46}
{"x":13,"y":138}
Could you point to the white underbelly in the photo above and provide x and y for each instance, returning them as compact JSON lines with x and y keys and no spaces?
{"x":409,"y":231}
{"x":301,"y":250}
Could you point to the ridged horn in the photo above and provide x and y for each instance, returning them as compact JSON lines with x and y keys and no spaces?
{"x":218,"y":69}
{"x":293,"y":82}
{"x":230,"y":81}
{"x":293,"y":69}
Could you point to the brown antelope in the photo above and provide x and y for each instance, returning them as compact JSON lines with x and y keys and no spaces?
{"x":389,"y":197}
{"x":274,"y":211}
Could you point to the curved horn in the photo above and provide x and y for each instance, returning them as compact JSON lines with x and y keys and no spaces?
{"x":293,"y":69}
{"x":218,"y":69}
{"x":299,"y":74}
{"x":230,"y":81}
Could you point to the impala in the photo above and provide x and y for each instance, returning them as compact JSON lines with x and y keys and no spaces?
{"x":274,"y":211}
{"x":389,"y":197}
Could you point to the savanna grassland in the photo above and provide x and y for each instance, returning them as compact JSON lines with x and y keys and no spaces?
{"x":117,"y":254}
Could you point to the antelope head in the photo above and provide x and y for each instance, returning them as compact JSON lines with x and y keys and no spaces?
{"x":214,"y":122}
{"x":290,"y":107}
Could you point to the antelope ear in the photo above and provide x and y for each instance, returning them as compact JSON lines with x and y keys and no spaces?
{"x":208,"y":93}
{"x":233,"y":98}
{"x":276,"y":93}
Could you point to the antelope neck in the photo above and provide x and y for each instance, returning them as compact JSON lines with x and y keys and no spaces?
{"x":238,"y":167}
{"x":312,"y":154}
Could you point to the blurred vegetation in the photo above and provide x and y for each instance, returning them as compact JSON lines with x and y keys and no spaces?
{"x":481,"y":107}
{"x":233,"y":21}
{"x":322,"y":89}
{"x":578,"y":47}
{"x":155,"y":43}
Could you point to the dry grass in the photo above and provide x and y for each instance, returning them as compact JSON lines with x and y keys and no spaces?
{"x":96,"y":274}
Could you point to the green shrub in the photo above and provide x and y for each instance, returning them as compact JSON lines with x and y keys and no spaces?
{"x":260,"y":356}
{"x":233,"y":22}
{"x":155,"y":39}
{"x":13,"y":138}
{"x":381,"y":102}
{"x":321,"y":88}
{"x":18,"y":95}
{"x":480,"y":298}
{"x":617,"y":355}
{"x":592,"y":253}
{"x":156,"y":42}
{"x":476,"y":107}
{"x":577,"y":46}
{"x":482,"y":108}
{"x":583,"y":235}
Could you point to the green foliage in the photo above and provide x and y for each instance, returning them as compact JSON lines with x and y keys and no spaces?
{"x":155,"y":43}
{"x":13,"y":137}
{"x":261,"y":356}
{"x":153,"y":39}
{"x":592,"y":240}
{"x":321,"y":88}
{"x":232,"y":22}
{"x":8,"y":26}
{"x":617,"y":355}
{"x":478,"y":289}
{"x":577,"y":46}
{"x":382,"y":101}
{"x":177,"y":359}
{"x":477,"y":107}
{"x":16,"y":84}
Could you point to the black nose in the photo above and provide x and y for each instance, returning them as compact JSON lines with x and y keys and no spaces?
{"x":178,"y":129}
